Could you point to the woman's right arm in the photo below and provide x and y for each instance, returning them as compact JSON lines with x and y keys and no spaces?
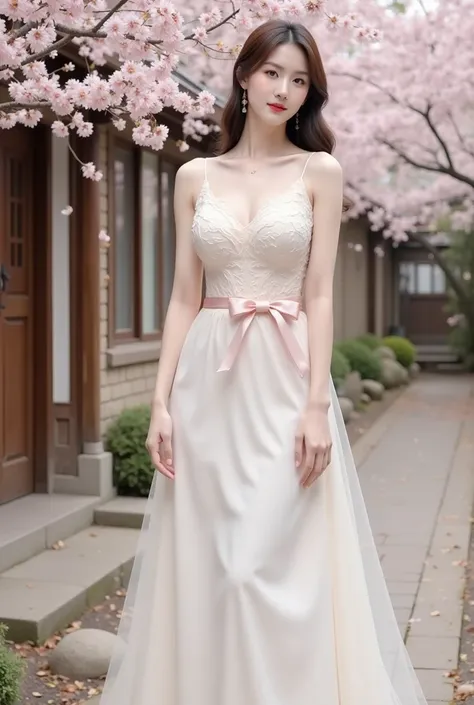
{"x":183,"y":308}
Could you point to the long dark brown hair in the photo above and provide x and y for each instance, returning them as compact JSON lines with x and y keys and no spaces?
{"x":314,"y":134}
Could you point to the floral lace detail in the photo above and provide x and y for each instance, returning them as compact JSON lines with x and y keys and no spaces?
{"x":265,"y":259}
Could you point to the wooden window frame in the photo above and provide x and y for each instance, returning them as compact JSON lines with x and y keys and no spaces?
{"x":129,"y":340}
{"x":415,"y":264}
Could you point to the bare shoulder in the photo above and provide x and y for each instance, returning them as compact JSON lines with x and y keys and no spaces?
{"x":191,"y":170}
{"x":189,"y":177}
{"x":323,"y":165}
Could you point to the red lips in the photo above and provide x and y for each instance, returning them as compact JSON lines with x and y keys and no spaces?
{"x":276,"y":107}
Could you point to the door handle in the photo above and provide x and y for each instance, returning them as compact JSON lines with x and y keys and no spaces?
{"x":4,"y":279}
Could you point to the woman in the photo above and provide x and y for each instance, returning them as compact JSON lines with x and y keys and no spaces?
{"x":257,"y":581}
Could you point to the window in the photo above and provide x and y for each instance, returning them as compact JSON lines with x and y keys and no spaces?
{"x":143,"y":241}
{"x":421,"y":278}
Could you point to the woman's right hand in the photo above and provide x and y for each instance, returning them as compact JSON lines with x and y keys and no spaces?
{"x":158,"y":442}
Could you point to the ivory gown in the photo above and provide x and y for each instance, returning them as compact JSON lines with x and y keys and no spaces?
{"x":248,"y":589}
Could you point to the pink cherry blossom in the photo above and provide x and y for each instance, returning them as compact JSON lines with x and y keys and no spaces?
{"x":60,"y":129}
{"x":401,"y":110}
{"x":90,"y":171}
{"x":148,"y":40}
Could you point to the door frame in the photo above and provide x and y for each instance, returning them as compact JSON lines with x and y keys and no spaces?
{"x":42,"y":335}
{"x":40,"y":291}
{"x":47,"y":444}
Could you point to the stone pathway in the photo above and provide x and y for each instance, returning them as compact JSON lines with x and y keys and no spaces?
{"x":416,"y":469}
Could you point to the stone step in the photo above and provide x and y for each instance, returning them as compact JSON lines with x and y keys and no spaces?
{"x":49,"y":591}
{"x":34,"y":523}
{"x":121,"y":511}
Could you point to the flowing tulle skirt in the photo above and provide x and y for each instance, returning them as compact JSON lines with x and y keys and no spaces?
{"x":248,"y":589}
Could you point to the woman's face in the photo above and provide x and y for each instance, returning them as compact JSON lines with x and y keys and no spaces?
{"x":278,"y":89}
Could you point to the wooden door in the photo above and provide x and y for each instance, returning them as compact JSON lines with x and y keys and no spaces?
{"x":16,"y":319}
{"x":423,"y":300}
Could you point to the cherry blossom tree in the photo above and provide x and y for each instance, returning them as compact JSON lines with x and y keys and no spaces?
{"x":145,"y":41}
{"x":403,"y":113}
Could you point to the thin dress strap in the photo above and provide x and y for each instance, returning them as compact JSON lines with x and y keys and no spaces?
{"x":205,"y":169}
{"x":306,"y":164}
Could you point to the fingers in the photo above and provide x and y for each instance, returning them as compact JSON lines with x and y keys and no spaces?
{"x":308,"y":464}
{"x":167,"y":451}
{"x":164,"y":469}
{"x":299,"y":449}
{"x":321,"y":460}
{"x":161,"y":455}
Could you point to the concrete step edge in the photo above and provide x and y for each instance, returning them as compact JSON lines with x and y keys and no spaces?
{"x":36,"y":540}
{"x":68,"y":605}
{"x":127,"y":512}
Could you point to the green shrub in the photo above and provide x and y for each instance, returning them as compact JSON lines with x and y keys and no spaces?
{"x":361,"y":359}
{"x":125,"y":439}
{"x":12,"y":669}
{"x":340,"y":366}
{"x":404,"y":350}
{"x":370,"y":340}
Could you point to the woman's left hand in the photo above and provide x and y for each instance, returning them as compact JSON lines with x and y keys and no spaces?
{"x":313,"y":444}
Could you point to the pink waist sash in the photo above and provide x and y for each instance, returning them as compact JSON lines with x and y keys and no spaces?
{"x":281,"y":311}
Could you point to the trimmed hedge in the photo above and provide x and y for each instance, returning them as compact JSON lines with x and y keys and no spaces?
{"x":370,"y":340}
{"x":340,"y":366}
{"x":12,"y":670}
{"x":125,"y":439}
{"x":404,"y":350}
{"x":361,"y":359}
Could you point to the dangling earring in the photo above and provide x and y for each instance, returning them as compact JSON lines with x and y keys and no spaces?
{"x":297,"y":126}
{"x":244,"y":101}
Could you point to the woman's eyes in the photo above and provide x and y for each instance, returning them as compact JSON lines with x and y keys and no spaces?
{"x":271,"y":71}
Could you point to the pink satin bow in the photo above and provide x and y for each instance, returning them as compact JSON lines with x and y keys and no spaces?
{"x":247,"y":309}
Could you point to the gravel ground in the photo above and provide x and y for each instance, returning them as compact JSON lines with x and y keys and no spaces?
{"x":40,"y":686}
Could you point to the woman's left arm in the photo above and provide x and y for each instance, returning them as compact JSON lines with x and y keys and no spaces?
{"x":325,"y":179}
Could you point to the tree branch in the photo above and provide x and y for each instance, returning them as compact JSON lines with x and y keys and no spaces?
{"x":459,"y":136}
{"x":111,"y":12}
{"x":369,"y":81}
{"x":425,"y":114}
{"x":95,"y":33}
{"x":440,"y":169}
{"x":433,"y":129}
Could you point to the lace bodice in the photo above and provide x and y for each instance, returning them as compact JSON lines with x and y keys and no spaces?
{"x":266,"y":258}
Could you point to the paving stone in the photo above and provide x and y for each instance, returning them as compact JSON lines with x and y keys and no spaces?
{"x":435,"y":686}
{"x":402,"y":601}
{"x":438,"y":652}
{"x":403,"y":588}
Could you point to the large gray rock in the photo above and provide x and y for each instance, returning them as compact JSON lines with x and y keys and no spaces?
{"x":351,"y":388}
{"x":414,"y":369}
{"x":405,"y":375}
{"x":83,"y":654}
{"x":385,"y":353}
{"x":393,"y":374}
{"x":374,"y":389}
{"x":347,"y":407}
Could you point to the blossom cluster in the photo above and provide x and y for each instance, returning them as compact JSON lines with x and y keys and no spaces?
{"x":403,"y":114}
{"x":130,"y":50}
